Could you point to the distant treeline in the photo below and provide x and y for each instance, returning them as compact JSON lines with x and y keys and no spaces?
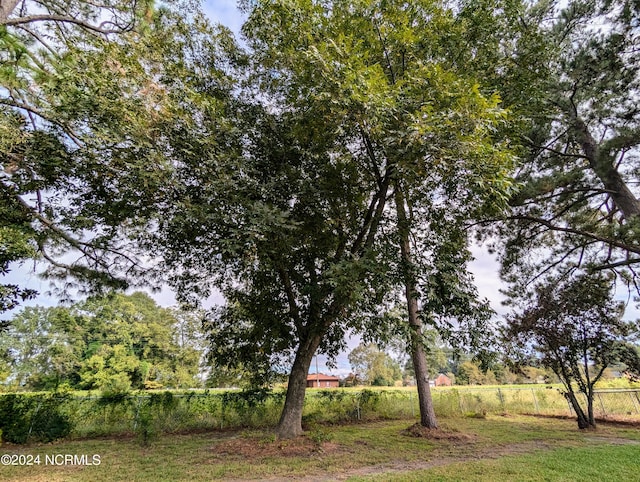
{"x":113,"y":343}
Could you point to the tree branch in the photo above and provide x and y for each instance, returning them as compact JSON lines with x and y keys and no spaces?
{"x":293,"y":307}
{"x":32,"y":110}
{"x":87,"y":249}
{"x":548,"y":224}
{"x":66,"y":19}
{"x":626,"y":262}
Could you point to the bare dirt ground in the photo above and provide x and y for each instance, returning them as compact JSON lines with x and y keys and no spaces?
{"x":392,"y":468}
{"x":610,"y":420}
{"x":417,"y":430}
{"x":462,"y":443}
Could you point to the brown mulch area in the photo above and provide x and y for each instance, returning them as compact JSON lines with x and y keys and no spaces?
{"x":417,"y":430}
{"x":253,"y":447}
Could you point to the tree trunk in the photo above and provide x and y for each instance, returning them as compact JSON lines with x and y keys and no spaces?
{"x":583,"y":421}
{"x":603,"y":166}
{"x":427,"y":413}
{"x":6,"y":8}
{"x":290,"y":424}
{"x":590,"y":416}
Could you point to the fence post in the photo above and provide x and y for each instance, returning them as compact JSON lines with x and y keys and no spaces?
{"x":460,"y":402}
{"x":535,"y":400}
{"x":413,"y":409}
{"x":135,"y":418}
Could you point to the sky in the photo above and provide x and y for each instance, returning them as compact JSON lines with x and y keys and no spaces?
{"x":224,"y":12}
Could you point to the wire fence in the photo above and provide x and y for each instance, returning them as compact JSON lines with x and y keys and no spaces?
{"x":148,"y":415}
{"x":618,"y":403}
{"x":169,"y":412}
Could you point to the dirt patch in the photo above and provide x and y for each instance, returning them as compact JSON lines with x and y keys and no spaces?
{"x":611,"y":420}
{"x":618,"y":421}
{"x":612,"y":440}
{"x":253,"y":447}
{"x":417,"y":430}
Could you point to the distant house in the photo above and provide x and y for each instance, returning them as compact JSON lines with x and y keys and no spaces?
{"x":320,"y":380}
{"x":442,"y":381}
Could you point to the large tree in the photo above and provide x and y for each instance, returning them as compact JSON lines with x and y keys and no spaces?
{"x":112,"y":343}
{"x":353,"y":135}
{"x":374,"y":366}
{"x":569,"y":72}
{"x":352,"y":109}
{"x":283,"y":232}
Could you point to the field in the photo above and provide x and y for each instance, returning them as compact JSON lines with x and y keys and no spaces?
{"x":162,"y":412}
{"x":488,"y":433}
{"x":468,"y":448}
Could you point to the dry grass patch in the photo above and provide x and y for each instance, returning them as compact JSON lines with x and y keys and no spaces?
{"x":417,"y":430}
{"x":257,"y":447}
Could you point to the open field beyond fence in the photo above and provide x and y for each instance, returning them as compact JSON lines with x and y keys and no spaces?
{"x":35,"y":416}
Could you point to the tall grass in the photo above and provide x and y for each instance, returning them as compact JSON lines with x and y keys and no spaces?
{"x":149,"y":414}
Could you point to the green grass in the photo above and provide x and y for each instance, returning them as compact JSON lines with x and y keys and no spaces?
{"x":618,"y":462}
{"x":496,"y":448}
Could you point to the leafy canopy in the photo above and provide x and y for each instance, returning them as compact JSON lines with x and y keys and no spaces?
{"x":90,"y":95}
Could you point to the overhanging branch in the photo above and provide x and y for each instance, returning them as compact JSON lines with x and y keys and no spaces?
{"x":101,"y":29}
{"x":577,"y":232}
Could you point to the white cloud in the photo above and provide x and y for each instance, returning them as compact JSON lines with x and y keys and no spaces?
{"x":225,"y":12}
{"x":485,"y":269}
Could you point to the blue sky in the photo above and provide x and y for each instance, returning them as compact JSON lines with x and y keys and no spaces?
{"x":224,"y":12}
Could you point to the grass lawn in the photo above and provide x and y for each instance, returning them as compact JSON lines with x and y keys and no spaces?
{"x":495,"y":448}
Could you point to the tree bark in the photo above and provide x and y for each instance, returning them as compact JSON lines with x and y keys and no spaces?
{"x":601,"y":163}
{"x":583,"y":421}
{"x":427,"y":413}
{"x":290,"y":424}
{"x":6,"y":8}
{"x":590,"y":415}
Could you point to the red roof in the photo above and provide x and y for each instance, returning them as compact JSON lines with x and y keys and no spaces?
{"x":313,"y":377}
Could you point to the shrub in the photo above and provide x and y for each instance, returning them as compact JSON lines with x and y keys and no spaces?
{"x":33,"y":417}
